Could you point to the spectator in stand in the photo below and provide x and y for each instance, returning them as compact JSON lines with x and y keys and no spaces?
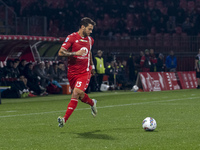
{"x":180,"y":17}
{"x":48,"y":68}
{"x":138,"y":59}
{"x":17,"y":83}
{"x":171,"y":24}
{"x":8,"y":69}
{"x":131,"y":67}
{"x":161,"y":26}
{"x":61,"y":72}
{"x":33,"y":81}
{"x":121,"y":75}
{"x":54,"y":72}
{"x":109,"y":57}
{"x":171,"y":62}
{"x":197,"y":67}
{"x":39,"y":70}
{"x":186,"y":26}
{"x":153,"y":60}
{"x":116,"y":16}
{"x":145,"y":62}
{"x":110,"y":71}
{"x":17,"y":73}
{"x":21,"y":66}
{"x":99,"y":68}
{"x":160,"y":66}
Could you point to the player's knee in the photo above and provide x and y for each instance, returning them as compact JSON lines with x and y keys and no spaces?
{"x":75,"y":94}
{"x":78,"y":93}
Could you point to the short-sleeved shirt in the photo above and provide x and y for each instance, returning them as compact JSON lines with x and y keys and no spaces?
{"x":73,"y":43}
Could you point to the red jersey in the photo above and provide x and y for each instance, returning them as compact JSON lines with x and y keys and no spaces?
{"x":73,"y":43}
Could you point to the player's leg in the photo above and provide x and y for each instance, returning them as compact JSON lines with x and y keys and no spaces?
{"x":80,"y":87}
{"x":77,"y":94}
{"x":92,"y":102}
{"x":72,"y":104}
{"x":74,"y":98}
{"x":70,"y":109}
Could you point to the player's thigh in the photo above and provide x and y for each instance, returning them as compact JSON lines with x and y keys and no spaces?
{"x":82,"y":81}
{"x":72,"y":80}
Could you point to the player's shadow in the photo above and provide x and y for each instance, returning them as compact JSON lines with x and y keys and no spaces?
{"x":94,"y":135}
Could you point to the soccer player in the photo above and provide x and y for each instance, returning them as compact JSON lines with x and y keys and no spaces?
{"x":77,"y":47}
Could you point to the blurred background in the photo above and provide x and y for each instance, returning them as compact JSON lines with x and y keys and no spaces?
{"x":125,"y":30}
{"x":122,"y":26}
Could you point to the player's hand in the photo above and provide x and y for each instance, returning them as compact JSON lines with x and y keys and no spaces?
{"x":93,"y":72}
{"x":80,"y":53}
{"x":197,"y":69}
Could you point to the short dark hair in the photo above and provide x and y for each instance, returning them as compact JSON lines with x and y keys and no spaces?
{"x":86,"y":21}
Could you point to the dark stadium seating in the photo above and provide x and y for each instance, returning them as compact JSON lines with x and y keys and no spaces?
{"x":117,"y":17}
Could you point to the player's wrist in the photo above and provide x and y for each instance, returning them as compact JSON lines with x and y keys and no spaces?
{"x":72,"y":53}
{"x":93,"y":67}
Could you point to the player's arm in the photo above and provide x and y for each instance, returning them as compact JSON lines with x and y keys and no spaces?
{"x":91,"y":58}
{"x":66,"y":53}
{"x":64,"y":50}
{"x":92,"y":64}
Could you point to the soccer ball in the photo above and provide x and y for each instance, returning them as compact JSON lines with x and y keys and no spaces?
{"x":135,"y":88}
{"x":149,"y":124}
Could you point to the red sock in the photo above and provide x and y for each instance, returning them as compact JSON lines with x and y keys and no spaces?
{"x":87,"y":100}
{"x":70,"y":108}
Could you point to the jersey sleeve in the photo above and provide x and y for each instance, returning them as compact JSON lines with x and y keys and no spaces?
{"x":68,"y":42}
{"x":197,"y":58}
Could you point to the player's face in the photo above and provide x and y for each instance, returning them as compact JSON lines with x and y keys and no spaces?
{"x":87,"y":30}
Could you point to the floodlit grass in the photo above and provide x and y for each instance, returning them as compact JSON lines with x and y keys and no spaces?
{"x":31,"y":123}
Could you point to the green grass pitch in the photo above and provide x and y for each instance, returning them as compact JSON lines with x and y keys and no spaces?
{"x":31,"y":123}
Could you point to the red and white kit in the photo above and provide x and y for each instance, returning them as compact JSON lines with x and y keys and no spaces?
{"x":79,"y":68}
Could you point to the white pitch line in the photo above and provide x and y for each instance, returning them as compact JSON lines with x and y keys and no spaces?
{"x":110,"y":106}
{"x":12,"y":111}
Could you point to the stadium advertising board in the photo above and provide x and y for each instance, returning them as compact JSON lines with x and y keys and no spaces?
{"x":159,"y":81}
{"x":152,"y":81}
{"x":188,"y":80}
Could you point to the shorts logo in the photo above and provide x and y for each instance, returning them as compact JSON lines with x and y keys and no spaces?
{"x":78,"y":84}
{"x":66,"y":39}
{"x":84,"y":49}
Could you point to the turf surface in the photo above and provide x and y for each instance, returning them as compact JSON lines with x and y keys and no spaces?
{"x":31,"y":123}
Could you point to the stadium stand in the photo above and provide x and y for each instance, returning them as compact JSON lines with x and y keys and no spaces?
{"x":35,"y":29}
{"x":122,"y":17}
